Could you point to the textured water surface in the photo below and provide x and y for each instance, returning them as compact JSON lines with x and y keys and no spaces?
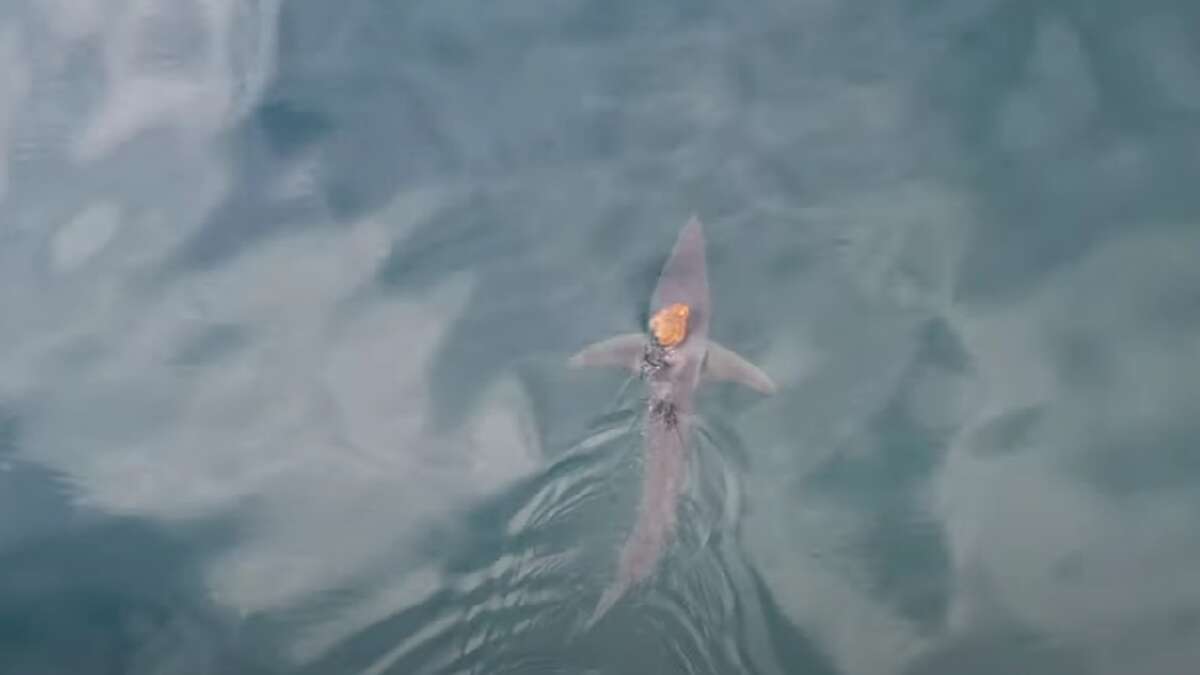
{"x":287,"y":289}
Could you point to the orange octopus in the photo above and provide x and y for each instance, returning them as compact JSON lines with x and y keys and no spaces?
{"x":669,"y":324}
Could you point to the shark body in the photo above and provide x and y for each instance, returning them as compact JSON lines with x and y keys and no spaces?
{"x":671,"y":359}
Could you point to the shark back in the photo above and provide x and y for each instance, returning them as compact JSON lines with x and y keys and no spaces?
{"x":676,"y":352}
{"x":684,"y":280}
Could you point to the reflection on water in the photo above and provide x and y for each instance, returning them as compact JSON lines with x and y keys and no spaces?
{"x":286,"y":290}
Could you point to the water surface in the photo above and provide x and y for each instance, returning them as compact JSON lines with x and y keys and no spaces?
{"x":287,"y":289}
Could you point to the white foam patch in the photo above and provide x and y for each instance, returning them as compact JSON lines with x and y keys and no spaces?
{"x":368,"y":477}
{"x":435,"y":474}
{"x":316,"y":422}
{"x":225,"y":429}
{"x":80,"y":314}
{"x":196,"y":99}
{"x":140,"y":103}
{"x":84,"y":236}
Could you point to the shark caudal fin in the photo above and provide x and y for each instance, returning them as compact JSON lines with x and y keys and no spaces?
{"x":723,"y":364}
{"x":624,"y":351}
{"x":611,"y":596}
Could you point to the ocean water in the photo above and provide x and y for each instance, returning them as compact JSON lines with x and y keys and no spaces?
{"x":288,"y":288}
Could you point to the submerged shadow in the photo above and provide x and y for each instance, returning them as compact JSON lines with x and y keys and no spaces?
{"x":84,"y":592}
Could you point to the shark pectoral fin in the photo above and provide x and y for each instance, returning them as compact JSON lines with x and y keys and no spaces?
{"x":724,"y":364}
{"x":623,"y":350}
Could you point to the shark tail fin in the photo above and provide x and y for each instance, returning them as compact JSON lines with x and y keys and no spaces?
{"x":611,"y":596}
{"x":623,"y":351}
{"x":723,"y":363}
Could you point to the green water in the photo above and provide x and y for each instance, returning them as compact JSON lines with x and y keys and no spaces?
{"x":287,"y":291}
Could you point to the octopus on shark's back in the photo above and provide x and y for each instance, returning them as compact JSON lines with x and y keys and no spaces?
{"x":671,"y":359}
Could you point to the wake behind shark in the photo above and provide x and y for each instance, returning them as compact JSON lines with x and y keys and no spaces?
{"x":671,"y":360}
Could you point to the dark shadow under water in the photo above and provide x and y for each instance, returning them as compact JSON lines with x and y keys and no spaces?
{"x":106,"y":595}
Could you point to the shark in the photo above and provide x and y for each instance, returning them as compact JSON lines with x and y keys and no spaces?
{"x":671,"y":358}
